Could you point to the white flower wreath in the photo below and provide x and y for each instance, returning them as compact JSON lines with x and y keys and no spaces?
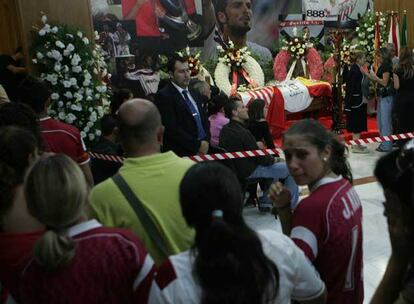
{"x":251,"y":66}
{"x":76,"y":70}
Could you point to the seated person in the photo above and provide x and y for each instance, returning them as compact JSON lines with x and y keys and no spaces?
{"x":76,"y":260}
{"x":258,"y":124}
{"x":236,"y":137}
{"x":217,"y":117}
{"x":229,"y":262}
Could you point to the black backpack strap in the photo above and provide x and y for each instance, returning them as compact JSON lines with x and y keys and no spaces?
{"x":142,"y":214}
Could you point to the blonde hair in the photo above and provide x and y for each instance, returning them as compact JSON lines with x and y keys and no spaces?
{"x":356,"y":55}
{"x":56,"y":193}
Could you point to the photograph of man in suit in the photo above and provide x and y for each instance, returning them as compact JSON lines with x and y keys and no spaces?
{"x":187,"y":130}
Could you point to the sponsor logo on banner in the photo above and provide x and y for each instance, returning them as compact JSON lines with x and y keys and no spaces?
{"x":293,"y":22}
{"x":329,"y":10}
{"x":300,"y":23}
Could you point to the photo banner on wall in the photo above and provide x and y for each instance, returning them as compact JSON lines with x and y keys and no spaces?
{"x":158,"y":26}
{"x":329,"y":10}
{"x":292,"y":24}
{"x":265,"y":29}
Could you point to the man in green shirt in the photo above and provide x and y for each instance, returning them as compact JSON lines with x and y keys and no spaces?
{"x":154,"y":178}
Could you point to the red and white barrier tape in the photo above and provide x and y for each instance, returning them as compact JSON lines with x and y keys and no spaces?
{"x":108,"y":157}
{"x":255,"y":153}
{"x":380,"y":139}
{"x":234,"y":155}
{"x":200,"y":158}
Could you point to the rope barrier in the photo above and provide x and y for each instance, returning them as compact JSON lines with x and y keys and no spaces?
{"x":256,"y":153}
{"x":235,"y":155}
{"x":380,"y":139}
{"x":108,"y":157}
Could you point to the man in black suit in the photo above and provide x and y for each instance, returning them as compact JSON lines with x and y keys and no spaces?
{"x":187,"y":129}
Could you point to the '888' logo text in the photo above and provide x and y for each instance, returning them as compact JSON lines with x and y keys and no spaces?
{"x":316,"y":13}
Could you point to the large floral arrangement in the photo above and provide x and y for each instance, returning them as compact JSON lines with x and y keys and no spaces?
{"x":237,"y":64}
{"x":194,"y":62}
{"x":266,"y":65}
{"x":366,"y":32}
{"x":75,"y":69}
{"x":345,"y":52}
{"x":196,"y":67}
{"x":297,"y":47}
{"x":297,"y":51}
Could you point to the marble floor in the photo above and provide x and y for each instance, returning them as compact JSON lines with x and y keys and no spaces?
{"x":376,"y":242}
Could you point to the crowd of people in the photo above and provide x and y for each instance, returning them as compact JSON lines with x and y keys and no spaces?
{"x":56,"y":236}
{"x":393,"y":80}
{"x":159,"y":228}
{"x":162,"y":229}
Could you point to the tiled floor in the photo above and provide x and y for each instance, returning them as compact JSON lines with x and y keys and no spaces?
{"x":376,"y":243}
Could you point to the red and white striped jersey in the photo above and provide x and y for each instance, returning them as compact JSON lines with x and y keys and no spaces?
{"x":327,"y":226}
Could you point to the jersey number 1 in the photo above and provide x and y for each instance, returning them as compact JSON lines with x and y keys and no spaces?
{"x":349,"y":279}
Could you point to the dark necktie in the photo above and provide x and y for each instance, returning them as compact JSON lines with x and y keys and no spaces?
{"x":201,"y":134}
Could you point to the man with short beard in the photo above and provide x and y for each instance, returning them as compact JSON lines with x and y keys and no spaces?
{"x":233,"y":19}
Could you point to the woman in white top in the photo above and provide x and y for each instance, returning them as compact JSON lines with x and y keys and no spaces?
{"x":229,"y":262}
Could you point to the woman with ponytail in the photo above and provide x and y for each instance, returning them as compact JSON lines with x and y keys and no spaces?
{"x":76,"y":260}
{"x":327,"y":225}
{"x":229,"y":262}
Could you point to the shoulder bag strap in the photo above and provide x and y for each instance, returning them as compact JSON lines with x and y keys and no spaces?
{"x":142,"y":214}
